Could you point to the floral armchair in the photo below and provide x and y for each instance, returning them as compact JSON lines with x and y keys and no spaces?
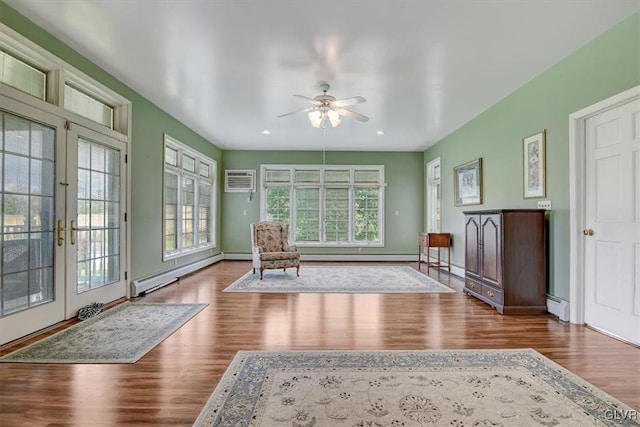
{"x":270,"y":247}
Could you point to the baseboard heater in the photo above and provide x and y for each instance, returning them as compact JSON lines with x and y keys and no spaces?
{"x":558,"y":307}
{"x":151,"y":283}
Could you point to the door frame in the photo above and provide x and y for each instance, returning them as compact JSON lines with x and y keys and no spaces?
{"x":577,"y":191}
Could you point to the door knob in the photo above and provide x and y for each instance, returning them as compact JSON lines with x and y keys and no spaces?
{"x":588,"y":232}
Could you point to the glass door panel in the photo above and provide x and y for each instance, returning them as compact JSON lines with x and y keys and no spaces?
{"x":98,"y":204}
{"x":96,"y":215}
{"x":31,"y":261}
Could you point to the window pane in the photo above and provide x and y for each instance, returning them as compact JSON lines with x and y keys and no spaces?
{"x":22,"y":76}
{"x":277,"y":176}
{"x":188,"y":214}
{"x":204,"y":213}
{"x":278,"y":204}
{"x":204,"y":170}
{"x":171,"y":156}
{"x":188,"y":163}
{"x":338,"y":176}
{"x":171,"y":211}
{"x":367,"y":176}
{"x":366,"y":214}
{"x":87,"y":106}
{"x":16,"y":174}
{"x":308,"y":214}
{"x":16,"y":135}
{"x":42,"y":142}
{"x":336,"y":214}
{"x":308,"y":176}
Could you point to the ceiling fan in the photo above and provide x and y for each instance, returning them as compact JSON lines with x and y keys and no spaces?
{"x":326,"y":107}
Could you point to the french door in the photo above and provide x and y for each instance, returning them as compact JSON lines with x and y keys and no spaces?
{"x":95,"y":218}
{"x":62,"y":223}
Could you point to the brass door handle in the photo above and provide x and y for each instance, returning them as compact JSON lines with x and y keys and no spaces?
{"x":60,"y":230}
{"x":588,"y":232}
{"x":73,"y":230}
{"x":490,"y":294}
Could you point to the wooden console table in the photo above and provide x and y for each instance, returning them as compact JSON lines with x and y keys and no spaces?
{"x":435,"y":240}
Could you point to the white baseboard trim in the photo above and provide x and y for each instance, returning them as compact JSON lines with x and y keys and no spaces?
{"x":356,"y":257}
{"x":148,"y":284}
{"x":237,"y":256}
{"x":558,"y":307}
{"x":455,"y":270}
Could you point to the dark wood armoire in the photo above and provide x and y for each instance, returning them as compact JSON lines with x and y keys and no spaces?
{"x":506,"y":259}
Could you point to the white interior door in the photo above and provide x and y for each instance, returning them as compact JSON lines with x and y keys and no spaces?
{"x":32,"y":195}
{"x":612,"y":219}
{"x":95,"y":209}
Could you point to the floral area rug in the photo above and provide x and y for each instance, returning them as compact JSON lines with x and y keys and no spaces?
{"x":340,"y":279}
{"x":122,"y":334}
{"x":407,"y":388}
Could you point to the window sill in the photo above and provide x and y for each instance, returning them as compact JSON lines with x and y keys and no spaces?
{"x":176,"y":255}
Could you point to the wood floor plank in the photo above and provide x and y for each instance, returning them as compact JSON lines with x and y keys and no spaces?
{"x":170,"y":385}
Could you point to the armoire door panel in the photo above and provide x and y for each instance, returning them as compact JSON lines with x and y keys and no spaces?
{"x":472,"y":233}
{"x":491,"y":249}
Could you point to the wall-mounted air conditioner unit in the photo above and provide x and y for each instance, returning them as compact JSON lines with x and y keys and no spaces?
{"x":239,"y":181}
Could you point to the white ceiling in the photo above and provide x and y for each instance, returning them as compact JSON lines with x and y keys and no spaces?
{"x":227,"y":68}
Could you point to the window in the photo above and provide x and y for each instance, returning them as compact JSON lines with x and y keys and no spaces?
{"x":434,"y":196}
{"x":22,"y":76}
{"x":189,"y":200}
{"x":326,"y":205}
{"x":79,"y":102}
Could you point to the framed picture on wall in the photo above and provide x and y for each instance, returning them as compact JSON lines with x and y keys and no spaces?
{"x":467,"y":183}
{"x":533,"y":154}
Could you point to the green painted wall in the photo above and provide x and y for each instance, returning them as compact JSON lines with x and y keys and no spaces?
{"x":608,"y":65}
{"x":149,"y":124}
{"x":404,"y":193}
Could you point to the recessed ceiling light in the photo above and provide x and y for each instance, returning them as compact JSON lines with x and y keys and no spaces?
{"x":380,"y":132}
{"x":266,"y":132}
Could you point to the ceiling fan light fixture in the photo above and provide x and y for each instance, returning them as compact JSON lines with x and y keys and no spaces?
{"x":315,"y":117}
{"x":334,"y":118}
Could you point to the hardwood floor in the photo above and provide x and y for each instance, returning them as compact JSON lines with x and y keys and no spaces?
{"x":170,"y":385}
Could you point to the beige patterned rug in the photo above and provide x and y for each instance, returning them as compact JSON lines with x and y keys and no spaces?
{"x":407,"y":388}
{"x":122,"y":334}
{"x":341,"y":279}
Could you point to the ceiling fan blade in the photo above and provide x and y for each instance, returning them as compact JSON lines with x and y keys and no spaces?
{"x":294,"y":112}
{"x":352,"y":115}
{"x":311,"y":100}
{"x":348,"y":101}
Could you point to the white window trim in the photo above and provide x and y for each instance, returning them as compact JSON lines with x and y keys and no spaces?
{"x":213,"y":173}
{"x":322,"y":185}
{"x":430,"y":207}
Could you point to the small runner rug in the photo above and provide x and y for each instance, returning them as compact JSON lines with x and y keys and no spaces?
{"x":122,"y":334}
{"x":340,"y":279}
{"x":407,"y":388}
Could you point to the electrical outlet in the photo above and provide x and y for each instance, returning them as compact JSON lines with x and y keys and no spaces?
{"x":397,"y":213}
{"x":544,"y":204}
{"x":244,"y":212}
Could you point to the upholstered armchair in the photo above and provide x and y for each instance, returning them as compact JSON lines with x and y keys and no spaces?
{"x":270,"y":247}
